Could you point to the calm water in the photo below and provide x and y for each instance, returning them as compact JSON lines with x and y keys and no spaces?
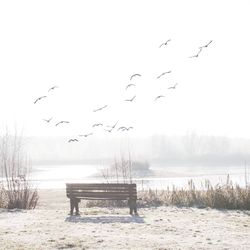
{"x":57,"y":176}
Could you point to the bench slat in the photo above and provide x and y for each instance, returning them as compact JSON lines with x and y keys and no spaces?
{"x":97,"y":197}
{"x":101,"y":185}
{"x":100,"y":196}
{"x":100,"y":190}
{"x":100,"y":193}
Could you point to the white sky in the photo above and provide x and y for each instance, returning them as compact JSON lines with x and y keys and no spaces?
{"x":91,"y":48}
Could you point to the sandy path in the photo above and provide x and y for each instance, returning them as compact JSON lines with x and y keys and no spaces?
{"x":102,"y":228}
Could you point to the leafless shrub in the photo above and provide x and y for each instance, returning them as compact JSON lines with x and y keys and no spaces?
{"x":16,"y":190}
{"x":119,"y":172}
{"x":125,"y":170}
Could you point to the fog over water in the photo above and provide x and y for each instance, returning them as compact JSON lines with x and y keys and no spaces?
{"x":172,"y":160}
{"x":178,"y":176}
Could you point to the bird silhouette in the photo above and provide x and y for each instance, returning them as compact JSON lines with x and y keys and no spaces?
{"x":62,"y":122}
{"x":205,"y":46}
{"x":86,"y":135}
{"x":129,"y":85}
{"x":121,"y":128}
{"x":48,"y":120}
{"x":165,"y":43}
{"x":173,"y":87}
{"x":128,"y":128}
{"x":40,"y":98}
{"x":158,"y":97}
{"x":52,"y":88}
{"x":134,"y":75}
{"x":73,"y":140}
{"x":97,"y":125}
{"x":196,"y":55}
{"x":164,"y":73}
{"x":111,"y":127}
{"x":101,"y":108}
{"x":130,"y":100}
{"x":124,"y":128}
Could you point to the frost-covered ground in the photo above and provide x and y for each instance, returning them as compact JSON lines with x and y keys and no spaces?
{"x":50,"y":227}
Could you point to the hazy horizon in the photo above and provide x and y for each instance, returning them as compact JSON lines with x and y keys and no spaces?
{"x":165,"y":150}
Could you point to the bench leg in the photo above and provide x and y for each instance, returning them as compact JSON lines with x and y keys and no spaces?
{"x":131,"y":210}
{"x":74,"y":204}
{"x":132,"y":207}
{"x":135,"y":209}
{"x":71,"y":206}
{"x":77,"y":207}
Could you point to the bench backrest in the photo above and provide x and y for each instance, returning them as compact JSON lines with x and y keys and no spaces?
{"x":99,"y":191}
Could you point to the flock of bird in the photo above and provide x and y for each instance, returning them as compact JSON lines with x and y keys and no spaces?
{"x":122,"y":128}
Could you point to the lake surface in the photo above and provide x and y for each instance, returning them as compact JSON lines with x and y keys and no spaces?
{"x":56,"y":176}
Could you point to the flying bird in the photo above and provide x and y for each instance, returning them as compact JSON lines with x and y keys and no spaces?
{"x":73,"y":140}
{"x":124,"y":128}
{"x":158,"y":97}
{"x":97,"y":125}
{"x":61,"y":122}
{"x":48,"y":119}
{"x":130,"y":100}
{"x":164,"y":73}
{"x":101,"y":108}
{"x":205,"y":46}
{"x":128,"y":128}
{"x":121,"y":128}
{"x":165,"y":43}
{"x":86,"y":135}
{"x":129,"y":85}
{"x":111,"y":127}
{"x":40,"y":98}
{"x":134,"y":75}
{"x":52,"y":88}
{"x":173,"y":87}
{"x":196,"y":55}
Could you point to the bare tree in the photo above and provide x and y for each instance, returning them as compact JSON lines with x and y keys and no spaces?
{"x":120,"y":171}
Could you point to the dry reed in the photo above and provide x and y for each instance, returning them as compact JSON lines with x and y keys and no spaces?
{"x":227,"y":196}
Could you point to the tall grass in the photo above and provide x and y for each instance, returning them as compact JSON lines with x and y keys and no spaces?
{"x":220,"y":196}
{"x":227,"y":196}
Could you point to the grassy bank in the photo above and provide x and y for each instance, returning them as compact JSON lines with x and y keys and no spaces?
{"x":227,"y":196}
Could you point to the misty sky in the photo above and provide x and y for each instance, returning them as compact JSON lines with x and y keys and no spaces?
{"x":90,"y":49}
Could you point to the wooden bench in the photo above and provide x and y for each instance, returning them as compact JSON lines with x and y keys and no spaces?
{"x":98,"y":191}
